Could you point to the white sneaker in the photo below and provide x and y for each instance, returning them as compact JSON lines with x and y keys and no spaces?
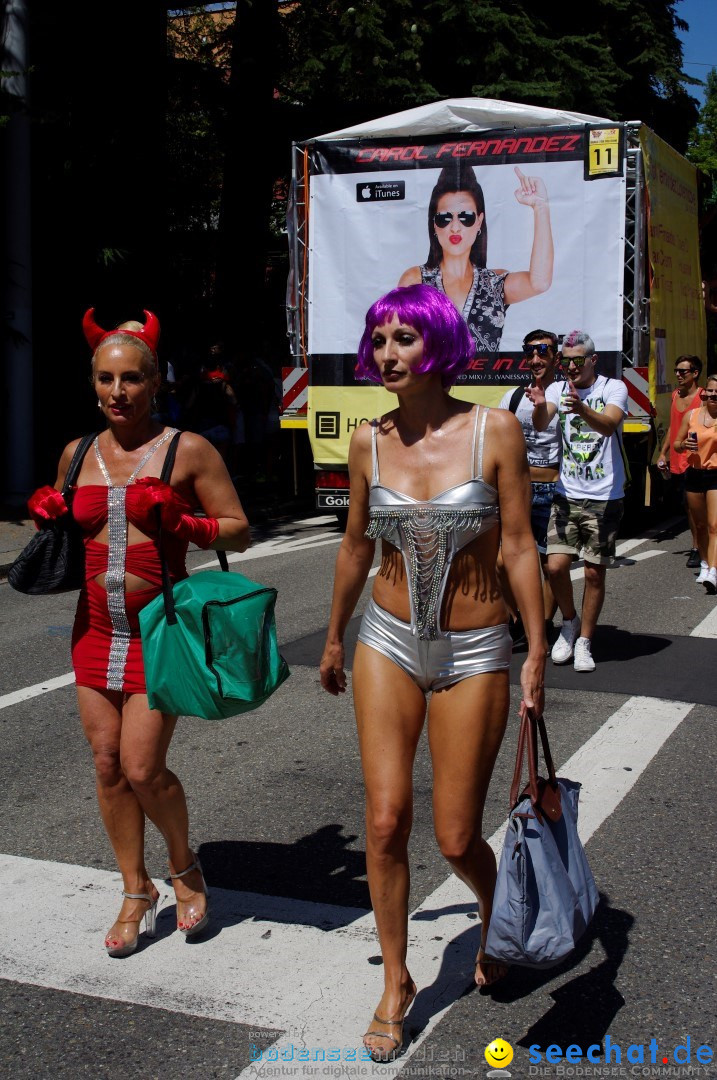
{"x":563,"y":648}
{"x":700,"y":579}
{"x":583,"y":657}
{"x":710,"y":581}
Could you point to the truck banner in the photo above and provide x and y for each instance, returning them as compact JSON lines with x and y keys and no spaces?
{"x":539,"y":242}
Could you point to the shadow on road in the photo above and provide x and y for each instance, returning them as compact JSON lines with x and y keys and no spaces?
{"x":585,"y":1006}
{"x":620,"y":646}
{"x":319,"y":869}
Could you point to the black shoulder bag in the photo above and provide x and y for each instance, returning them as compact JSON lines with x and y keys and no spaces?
{"x":54,"y":559}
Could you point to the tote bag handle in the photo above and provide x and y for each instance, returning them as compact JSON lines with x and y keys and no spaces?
{"x":544,"y":794}
{"x":166,"y":476}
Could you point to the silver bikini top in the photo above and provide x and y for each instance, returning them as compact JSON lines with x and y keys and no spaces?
{"x":429,"y":534}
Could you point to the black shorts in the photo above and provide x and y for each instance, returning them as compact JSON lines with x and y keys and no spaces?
{"x":677,"y":480}
{"x":699,"y":481}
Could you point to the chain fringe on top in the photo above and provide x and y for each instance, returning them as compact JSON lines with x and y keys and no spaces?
{"x":425,"y":530}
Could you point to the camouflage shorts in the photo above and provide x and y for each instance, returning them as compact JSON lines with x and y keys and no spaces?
{"x":585,"y":529}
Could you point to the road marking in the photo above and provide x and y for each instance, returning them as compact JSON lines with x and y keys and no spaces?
{"x":708,"y":627}
{"x":629,"y":545}
{"x":640,"y":557}
{"x":322,"y":519}
{"x":39,"y":688}
{"x":277,"y":546}
{"x":285,"y":964}
{"x":621,"y":550}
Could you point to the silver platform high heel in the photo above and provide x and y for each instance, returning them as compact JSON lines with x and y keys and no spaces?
{"x":201,"y":924}
{"x":150,"y":925}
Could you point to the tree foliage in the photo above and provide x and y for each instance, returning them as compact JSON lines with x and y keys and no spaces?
{"x":702,"y":147}
{"x":702,"y":152}
{"x":621,"y":59}
{"x":364,"y":53}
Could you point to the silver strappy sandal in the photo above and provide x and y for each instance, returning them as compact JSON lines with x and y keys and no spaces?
{"x":200,"y":924}
{"x":150,"y":925}
{"x":374,"y":1052}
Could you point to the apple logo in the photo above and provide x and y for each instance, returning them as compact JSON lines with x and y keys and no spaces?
{"x":366,"y":192}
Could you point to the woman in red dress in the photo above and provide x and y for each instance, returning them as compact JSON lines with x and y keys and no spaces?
{"x":116,"y":504}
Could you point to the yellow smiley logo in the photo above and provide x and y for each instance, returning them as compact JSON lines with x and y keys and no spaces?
{"x":499,"y":1053}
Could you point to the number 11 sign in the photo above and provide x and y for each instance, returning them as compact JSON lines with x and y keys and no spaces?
{"x":604,"y":151}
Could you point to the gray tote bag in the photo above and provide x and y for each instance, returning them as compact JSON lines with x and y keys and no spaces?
{"x":545,"y":895}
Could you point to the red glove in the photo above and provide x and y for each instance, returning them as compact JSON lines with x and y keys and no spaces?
{"x":45,"y":505}
{"x":177,"y":516}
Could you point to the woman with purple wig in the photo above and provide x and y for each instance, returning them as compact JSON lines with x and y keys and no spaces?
{"x":443,"y":484}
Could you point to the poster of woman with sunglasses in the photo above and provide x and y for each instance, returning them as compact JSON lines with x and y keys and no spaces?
{"x":458,"y":246}
{"x":509,"y":226}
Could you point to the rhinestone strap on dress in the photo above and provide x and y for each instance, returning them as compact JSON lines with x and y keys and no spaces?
{"x":116,"y":559}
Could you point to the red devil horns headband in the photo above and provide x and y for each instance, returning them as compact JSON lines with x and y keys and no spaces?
{"x":95,"y":335}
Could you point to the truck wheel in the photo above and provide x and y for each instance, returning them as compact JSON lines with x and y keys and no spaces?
{"x":342,"y":517}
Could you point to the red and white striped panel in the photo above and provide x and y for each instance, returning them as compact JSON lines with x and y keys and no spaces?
{"x":638,"y":391}
{"x":295,"y":391}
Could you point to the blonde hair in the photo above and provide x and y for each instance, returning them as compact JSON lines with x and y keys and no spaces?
{"x":118,"y":338}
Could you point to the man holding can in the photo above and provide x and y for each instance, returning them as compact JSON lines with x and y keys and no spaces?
{"x":540,"y":351}
{"x":588,"y":504}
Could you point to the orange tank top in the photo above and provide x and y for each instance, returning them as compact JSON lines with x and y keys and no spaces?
{"x":705,"y":456}
{"x":678,"y":461}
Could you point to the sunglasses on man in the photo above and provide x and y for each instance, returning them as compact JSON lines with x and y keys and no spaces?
{"x":579,"y":361}
{"x":466,"y":217}
{"x":684,"y":371}
{"x":542,"y":350}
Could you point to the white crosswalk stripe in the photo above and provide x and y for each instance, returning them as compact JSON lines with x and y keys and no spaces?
{"x":278,"y":546}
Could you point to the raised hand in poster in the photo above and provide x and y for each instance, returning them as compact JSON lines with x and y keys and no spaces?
{"x":458,"y":245}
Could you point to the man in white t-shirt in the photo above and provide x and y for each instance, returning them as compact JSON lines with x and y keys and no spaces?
{"x":588,"y":504}
{"x":540,"y":350}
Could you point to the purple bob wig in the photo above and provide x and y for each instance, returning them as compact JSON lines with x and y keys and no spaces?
{"x":447,"y":342}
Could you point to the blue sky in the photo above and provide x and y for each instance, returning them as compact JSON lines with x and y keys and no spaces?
{"x":700,"y":42}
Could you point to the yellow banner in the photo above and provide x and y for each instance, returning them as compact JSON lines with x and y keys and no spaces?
{"x":335,"y":412}
{"x":677,"y":314}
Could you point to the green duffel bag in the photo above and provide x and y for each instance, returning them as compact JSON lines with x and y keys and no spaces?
{"x":209,"y":646}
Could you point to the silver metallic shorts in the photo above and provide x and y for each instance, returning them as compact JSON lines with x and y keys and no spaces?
{"x":433,"y":665}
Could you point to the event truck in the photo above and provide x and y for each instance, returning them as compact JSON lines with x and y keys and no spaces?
{"x":594,"y":220}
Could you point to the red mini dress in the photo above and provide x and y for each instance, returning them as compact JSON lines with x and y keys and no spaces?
{"x":106,"y":645}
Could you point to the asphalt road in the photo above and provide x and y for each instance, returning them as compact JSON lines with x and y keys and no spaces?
{"x":276,"y":809}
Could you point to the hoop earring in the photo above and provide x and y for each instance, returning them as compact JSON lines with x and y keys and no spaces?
{"x":154,"y":405}
{"x":99,"y":404}
{"x":480,"y":229}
